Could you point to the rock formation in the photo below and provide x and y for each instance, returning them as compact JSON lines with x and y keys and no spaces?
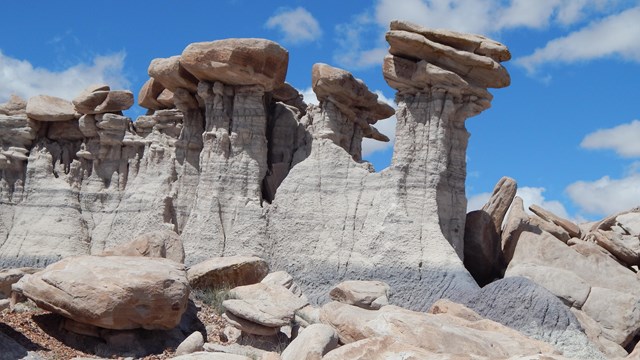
{"x":229,"y":158}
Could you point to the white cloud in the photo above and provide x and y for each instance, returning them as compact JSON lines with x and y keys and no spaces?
{"x":606,"y":196}
{"x":20,"y":77}
{"x":615,"y":35}
{"x":297,"y":25}
{"x":387,"y":127}
{"x":624,"y":139}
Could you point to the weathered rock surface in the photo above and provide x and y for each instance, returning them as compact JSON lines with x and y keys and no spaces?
{"x":50,"y":108}
{"x":365,"y":294}
{"x":523,"y":305}
{"x":106,"y":291}
{"x":483,"y":255}
{"x":228,"y":271}
{"x":380,"y":348}
{"x":438,"y":333}
{"x":586,"y":278}
{"x":162,"y":243}
{"x":238,"y":62}
{"x":316,"y":341}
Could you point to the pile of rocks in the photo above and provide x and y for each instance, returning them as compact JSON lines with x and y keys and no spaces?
{"x":592,"y":268}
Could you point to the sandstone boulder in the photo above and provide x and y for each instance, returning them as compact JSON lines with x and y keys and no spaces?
{"x":249,"y":326}
{"x":483,"y":255}
{"x":365,"y":294}
{"x":161,"y":243}
{"x":193,"y":343}
{"x":271,"y":306}
{"x":312,"y":344}
{"x":171,"y":74}
{"x":115,"y":292}
{"x":228,"y":271}
{"x":148,"y":95}
{"x":282,"y":278}
{"x":50,"y":108}
{"x":238,"y":62}
{"x":441,"y":333}
{"x":477,"y":44}
{"x":387,"y":347}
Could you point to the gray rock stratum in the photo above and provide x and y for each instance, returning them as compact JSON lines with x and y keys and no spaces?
{"x":230,"y":159}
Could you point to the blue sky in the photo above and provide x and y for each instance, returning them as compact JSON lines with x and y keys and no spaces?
{"x":567,"y":129}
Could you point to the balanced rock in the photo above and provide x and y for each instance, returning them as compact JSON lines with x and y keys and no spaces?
{"x":230,"y":271}
{"x":171,"y":74}
{"x":414,"y":42}
{"x":365,"y":294}
{"x":160,"y":243}
{"x":106,"y":291}
{"x":238,"y":62}
{"x":351,"y":95}
{"x":148,"y":95}
{"x":50,"y":108}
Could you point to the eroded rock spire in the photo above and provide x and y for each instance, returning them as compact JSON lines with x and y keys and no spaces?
{"x":441,"y":78}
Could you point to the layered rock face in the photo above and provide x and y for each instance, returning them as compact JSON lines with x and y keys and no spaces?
{"x":230,"y":158}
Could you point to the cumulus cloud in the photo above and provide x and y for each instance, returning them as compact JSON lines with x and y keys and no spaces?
{"x":606,"y":196}
{"x":624,"y":139}
{"x":20,"y":77}
{"x":615,"y":35}
{"x":475,"y":16}
{"x":296,"y":25}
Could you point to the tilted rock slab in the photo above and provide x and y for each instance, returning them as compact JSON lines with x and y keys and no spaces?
{"x":50,"y":108}
{"x":113,"y":292}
